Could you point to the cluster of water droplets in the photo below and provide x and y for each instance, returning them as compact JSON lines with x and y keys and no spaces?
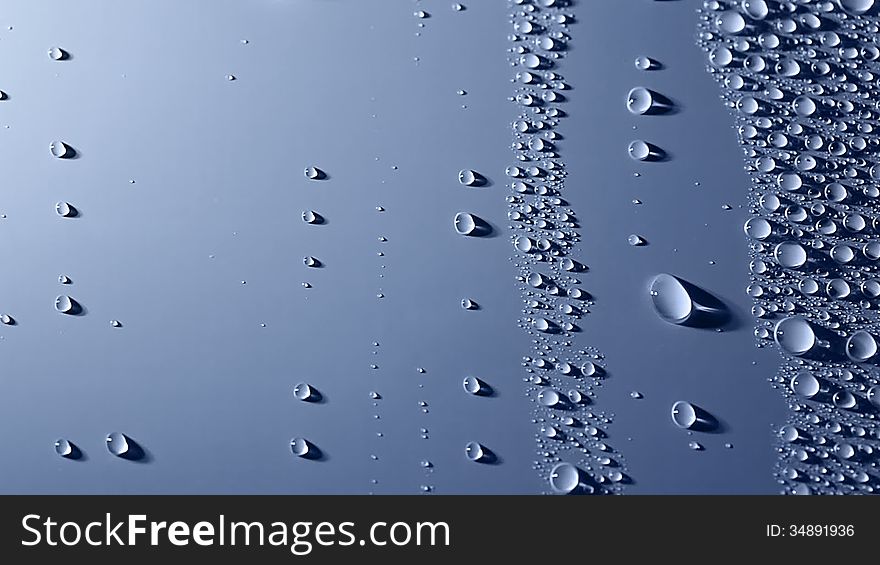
{"x":801,"y":80}
{"x":573,"y":453}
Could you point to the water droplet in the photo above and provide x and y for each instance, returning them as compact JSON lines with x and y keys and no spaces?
{"x":303,"y":391}
{"x":684,"y":414}
{"x":474,"y":451}
{"x":671,"y":300}
{"x":64,"y":448}
{"x":468,"y":177}
{"x":861,"y":346}
{"x":636,"y":240}
{"x":116,"y":323}
{"x":564,"y":478}
{"x":639,"y":150}
{"x":465,"y":224}
{"x":311,"y":217}
{"x":856,"y":7}
{"x":301,"y":447}
{"x":794,"y":335}
{"x":805,"y":384}
{"x":314,"y":173}
{"x":59,"y":149}
{"x":7,"y":320}
{"x":65,"y":304}
{"x":65,"y":210}
{"x":56,"y":53}
{"x":695,"y":446}
{"x":549,"y":397}
{"x":756,"y":9}
{"x":468,"y":304}
{"x":473,"y":385}
{"x":117,"y":444}
{"x":311,"y":262}
{"x":639,"y":100}
{"x":790,"y":255}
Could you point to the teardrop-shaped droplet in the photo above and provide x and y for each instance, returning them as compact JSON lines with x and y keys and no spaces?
{"x":56,"y":53}
{"x":671,"y":300}
{"x":468,"y":304}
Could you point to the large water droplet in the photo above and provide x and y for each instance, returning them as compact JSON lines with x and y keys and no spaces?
{"x":794,"y":335}
{"x":671,"y":299}
{"x":856,"y":7}
{"x":805,"y":384}
{"x":756,"y":9}
{"x":684,"y":414}
{"x":639,"y":100}
{"x":314,"y":173}
{"x":56,"y":53}
{"x":790,"y":255}
{"x":861,"y":346}
{"x":564,"y":478}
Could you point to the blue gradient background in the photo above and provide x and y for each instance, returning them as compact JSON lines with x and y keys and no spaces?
{"x":194,"y":378}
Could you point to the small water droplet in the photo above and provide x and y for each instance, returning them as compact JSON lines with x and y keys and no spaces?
{"x":59,"y":149}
